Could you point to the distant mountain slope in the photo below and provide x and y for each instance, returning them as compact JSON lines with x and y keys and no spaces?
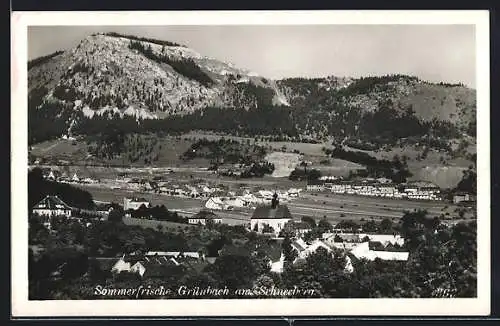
{"x":454,"y":103}
{"x":172,"y":88}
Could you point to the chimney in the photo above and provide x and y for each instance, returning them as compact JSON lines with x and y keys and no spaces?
{"x":274,"y":201}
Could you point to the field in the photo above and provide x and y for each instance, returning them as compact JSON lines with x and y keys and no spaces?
{"x":317,"y":205}
{"x":152,"y":224}
{"x":429,"y":169}
{"x":285,"y":155}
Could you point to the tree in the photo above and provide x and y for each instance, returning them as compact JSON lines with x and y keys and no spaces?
{"x":288,"y":230}
{"x":338,"y":238}
{"x":264,"y":281}
{"x":261,"y":263}
{"x":370,"y":226}
{"x":385,"y":226}
{"x":468,"y":183}
{"x":322,"y":271}
{"x":288,"y":252}
{"x":313,"y":175}
{"x":304,"y":165}
{"x":309,"y":220}
{"x":267,"y":229}
{"x":116,"y":215}
{"x":324,"y":226}
{"x":233,"y":271}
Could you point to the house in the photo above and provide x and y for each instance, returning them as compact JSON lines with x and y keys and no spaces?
{"x":277,"y":266}
{"x":304,"y":250}
{"x":301,"y":228}
{"x":138,"y":268}
{"x":385,"y":239}
{"x":299,"y":245}
{"x":345,"y":241}
{"x":52,"y":206}
{"x":134,"y":203}
{"x":75,"y":178}
{"x":217,"y":204}
{"x":155,"y":259}
{"x":363,"y":251}
{"x":206,"y":190}
{"x":460,"y":197}
{"x":309,"y":249}
{"x":293,"y":192}
{"x":275,"y":216}
{"x":193,"y":192}
{"x":234,"y":202}
{"x":203,"y":216}
{"x":175,"y":254}
{"x":156,"y":263}
{"x":251,"y":199}
{"x":53,"y":175}
{"x":121,"y":266}
{"x":266,"y":195}
{"x":384,"y":180}
{"x":139,"y":265}
{"x":328,"y":178}
{"x":167,"y":189}
{"x":315,"y":185}
{"x":148,"y":185}
{"x":89,"y":180}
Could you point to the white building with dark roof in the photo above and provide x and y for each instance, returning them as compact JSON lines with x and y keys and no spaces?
{"x":134,"y":203}
{"x":275,"y":216}
{"x":52,"y":206}
{"x":204,"y":216}
{"x":217,"y":203}
{"x":363,"y":251}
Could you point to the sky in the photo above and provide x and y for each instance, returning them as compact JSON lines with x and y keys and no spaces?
{"x":431,"y":52}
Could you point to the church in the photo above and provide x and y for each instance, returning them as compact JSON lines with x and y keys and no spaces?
{"x":270,"y":219}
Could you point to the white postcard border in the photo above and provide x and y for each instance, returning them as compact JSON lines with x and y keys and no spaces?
{"x":22,"y":307}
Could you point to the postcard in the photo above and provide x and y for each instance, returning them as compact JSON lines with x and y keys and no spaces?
{"x":250,"y":163}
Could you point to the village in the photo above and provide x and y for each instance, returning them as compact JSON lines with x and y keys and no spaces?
{"x":271,"y":220}
{"x":218,"y":196}
{"x":278,"y":215}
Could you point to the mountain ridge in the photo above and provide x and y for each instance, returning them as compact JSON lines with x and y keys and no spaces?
{"x":114,"y":76}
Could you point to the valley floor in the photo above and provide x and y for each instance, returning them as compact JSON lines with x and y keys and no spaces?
{"x":317,"y":205}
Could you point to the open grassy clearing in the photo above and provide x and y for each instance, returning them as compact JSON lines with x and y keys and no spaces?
{"x":166,"y":226}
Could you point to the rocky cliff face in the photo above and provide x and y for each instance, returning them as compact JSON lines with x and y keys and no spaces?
{"x":105,"y":73}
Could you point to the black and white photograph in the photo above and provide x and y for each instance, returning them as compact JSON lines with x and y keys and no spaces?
{"x":240,"y":164}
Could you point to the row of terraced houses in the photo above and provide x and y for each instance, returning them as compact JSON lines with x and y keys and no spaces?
{"x":419,"y":190}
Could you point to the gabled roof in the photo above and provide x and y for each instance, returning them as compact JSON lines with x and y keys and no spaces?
{"x":51,"y":202}
{"x":297,"y":245}
{"x":349,"y":237}
{"x":281,"y":211}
